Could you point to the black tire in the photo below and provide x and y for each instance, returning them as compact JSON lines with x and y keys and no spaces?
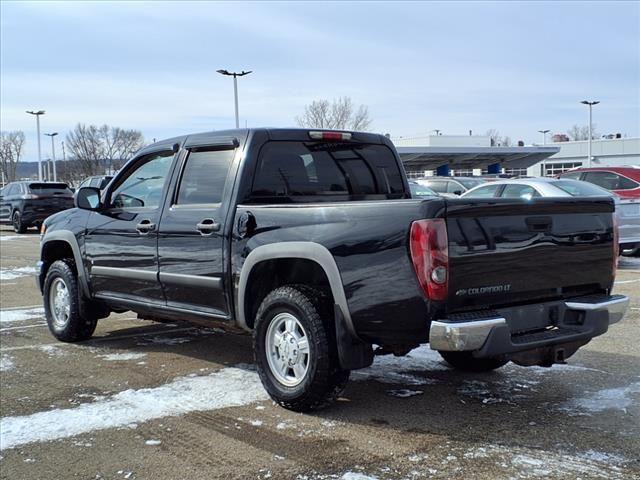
{"x":465,"y":361}
{"x":16,"y":221}
{"x":324,"y":380}
{"x":76,"y":327}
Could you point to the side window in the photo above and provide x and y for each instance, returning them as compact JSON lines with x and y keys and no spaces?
{"x":625,"y":183}
{"x":455,"y":187}
{"x":608,"y":180}
{"x":204,"y":176}
{"x":486,"y":191}
{"x":519,"y":191}
{"x":143,"y":185}
{"x":438,"y":186}
{"x":10,"y":190}
{"x":85,"y":183}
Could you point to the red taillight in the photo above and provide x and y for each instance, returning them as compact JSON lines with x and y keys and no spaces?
{"x":430,"y":256}
{"x":331,"y":136}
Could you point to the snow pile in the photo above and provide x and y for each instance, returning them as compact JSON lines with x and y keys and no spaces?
{"x":225,"y":388}
{"x":610,"y":399}
{"x":6,"y":363}
{"x":20,"y":315}
{"x":121,"y":357}
{"x":404,"y":393}
{"x":14,"y":273}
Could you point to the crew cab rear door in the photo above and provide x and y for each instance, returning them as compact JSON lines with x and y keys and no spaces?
{"x":191,"y":234}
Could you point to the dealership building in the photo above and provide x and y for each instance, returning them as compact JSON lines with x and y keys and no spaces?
{"x":474,"y":155}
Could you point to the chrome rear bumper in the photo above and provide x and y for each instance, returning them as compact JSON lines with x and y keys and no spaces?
{"x":448,"y":335}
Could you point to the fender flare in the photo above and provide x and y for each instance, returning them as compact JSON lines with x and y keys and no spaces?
{"x":69,"y":238}
{"x":304,"y":250}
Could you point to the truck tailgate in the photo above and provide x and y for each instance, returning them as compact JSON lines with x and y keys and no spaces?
{"x":504,"y":252}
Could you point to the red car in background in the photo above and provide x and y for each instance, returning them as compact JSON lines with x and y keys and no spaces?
{"x":623,"y":181}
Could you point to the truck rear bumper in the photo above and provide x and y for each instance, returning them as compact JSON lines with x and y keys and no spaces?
{"x":504,"y":331}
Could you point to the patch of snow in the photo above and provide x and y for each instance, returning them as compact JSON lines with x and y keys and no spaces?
{"x":153,"y":443}
{"x":52,"y":350}
{"x":225,"y":388}
{"x":6,"y":363}
{"x":7,"y":316}
{"x":120,"y":357}
{"x":164,"y":341}
{"x":7,"y":274}
{"x":608,"y":399}
{"x":404,"y":393}
{"x":256,"y":423}
{"x":357,"y":476}
{"x":602,"y":457}
{"x":400,"y":370}
{"x":7,"y":238}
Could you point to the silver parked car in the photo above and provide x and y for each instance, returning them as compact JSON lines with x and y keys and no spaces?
{"x":627,"y":211}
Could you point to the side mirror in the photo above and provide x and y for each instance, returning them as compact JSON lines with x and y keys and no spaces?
{"x":88,"y":198}
{"x":457,"y":192}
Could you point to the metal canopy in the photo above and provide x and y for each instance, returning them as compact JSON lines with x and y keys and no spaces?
{"x":430,"y":158}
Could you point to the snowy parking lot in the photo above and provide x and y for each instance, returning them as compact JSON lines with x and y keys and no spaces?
{"x":153,"y":400}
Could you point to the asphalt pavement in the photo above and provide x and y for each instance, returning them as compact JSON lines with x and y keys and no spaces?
{"x":147,"y":400}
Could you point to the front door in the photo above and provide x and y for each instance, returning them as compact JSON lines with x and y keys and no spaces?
{"x":190,"y":238}
{"x":121,"y":241}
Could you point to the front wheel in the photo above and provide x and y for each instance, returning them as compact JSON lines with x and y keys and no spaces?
{"x":62,"y":304}
{"x":295,"y":349}
{"x":18,"y":224}
{"x":467,"y":362}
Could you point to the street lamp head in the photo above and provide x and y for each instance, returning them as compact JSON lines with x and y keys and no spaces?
{"x":223,"y":72}
{"x":39,"y":112}
{"x":586,"y":102}
{"x":51,"y":134}
{"x":233,"y":74}
{"x":544,"y":131}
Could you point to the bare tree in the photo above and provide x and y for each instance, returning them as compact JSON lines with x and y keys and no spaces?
{"x":340,"y":114}
{"x":506,"y":141}
{"x":495,"y":137}
{"x":578,"y":132}
{"x":94,"y":148}
{"x":11,"y":149}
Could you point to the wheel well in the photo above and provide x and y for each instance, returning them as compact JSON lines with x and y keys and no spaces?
{"x":271,"y":274}
{"x":56,"y":250}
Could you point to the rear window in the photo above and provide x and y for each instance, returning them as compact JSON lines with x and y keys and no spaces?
{"x":49,"y":188}
{"x":326,"y":171}
{"x":469,"y":183}
{"x":610,"y":180}
{"x":577,"y":188}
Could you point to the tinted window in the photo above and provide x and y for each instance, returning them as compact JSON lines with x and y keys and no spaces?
{"x":487,"y":191}
{"x":581,"y":189}
{"x":290,"y":169}
{"x":438,"y":186}
{"x":610,"y":180}
{"x":49,"y":189}
{"x":418,"y":191}
{"x":204,"y":176}
{"x":519,"y":191}
{"x":143,"y":186}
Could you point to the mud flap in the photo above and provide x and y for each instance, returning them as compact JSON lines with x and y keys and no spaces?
{"x":352,"y":353}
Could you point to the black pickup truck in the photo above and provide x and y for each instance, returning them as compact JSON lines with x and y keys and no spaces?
{"x":310,"y":240}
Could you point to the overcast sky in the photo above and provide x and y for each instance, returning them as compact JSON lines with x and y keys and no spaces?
{"x":515,"y":67}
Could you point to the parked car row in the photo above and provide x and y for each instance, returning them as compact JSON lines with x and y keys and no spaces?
{"x":27,"y":204}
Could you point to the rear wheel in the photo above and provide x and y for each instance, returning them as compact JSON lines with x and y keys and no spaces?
{"x":62,"y":304}
{"x":465,"y":361}
{"x":295,"y":349}
{"x":18,"y":224}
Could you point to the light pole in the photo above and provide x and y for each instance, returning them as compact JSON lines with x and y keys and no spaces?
{"x":235,"y":76}
{"x":544,"y":136}
{"x":37,"y":114}
{"x":591,"y":104}
{"x":53,"y":154}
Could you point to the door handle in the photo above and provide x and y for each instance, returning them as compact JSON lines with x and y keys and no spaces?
{"x":208,"y":226}
{"x":145,"y":226}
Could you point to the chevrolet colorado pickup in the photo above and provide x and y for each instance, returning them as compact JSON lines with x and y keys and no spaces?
{"x":310,"y":240}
